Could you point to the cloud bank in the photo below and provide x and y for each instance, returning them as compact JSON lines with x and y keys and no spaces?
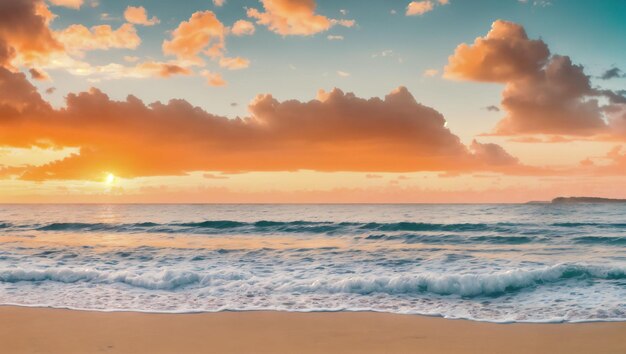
{"x":337,"y":131}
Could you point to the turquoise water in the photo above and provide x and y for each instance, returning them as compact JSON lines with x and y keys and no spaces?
{"x":501,"y":263}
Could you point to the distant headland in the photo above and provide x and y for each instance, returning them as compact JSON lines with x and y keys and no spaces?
{"x":579,"y":200}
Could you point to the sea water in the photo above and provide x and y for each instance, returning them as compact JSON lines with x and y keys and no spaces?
{"x":500,"y":263}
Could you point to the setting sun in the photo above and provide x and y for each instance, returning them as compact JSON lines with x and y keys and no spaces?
{"x":110,"y":178}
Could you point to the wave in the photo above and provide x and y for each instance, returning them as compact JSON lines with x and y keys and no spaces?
{"x":78,"y":226}
{"x":407,"y":232}
{"x":165,"y":280}
{"x":303,"y":226}
{"x":454,"y":239}
{"x":298,"y":226}
{"x":420,"y":226}
{"x":593,"y":224}
{"x":607,"y":240}
{"x":217,"y":224}
{"x":466,"y":285}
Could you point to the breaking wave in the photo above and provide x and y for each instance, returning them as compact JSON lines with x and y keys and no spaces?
{"x":467,"y":285}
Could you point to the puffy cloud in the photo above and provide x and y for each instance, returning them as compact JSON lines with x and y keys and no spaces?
{"x":203,"y":33}
{"x":544,"y":94}
{"x":419,"y":7}
{"x":73,"y":4}
{"x":213,"y":79}
{"x":504,"y":54}
{"x":554,"y":102}
{"x":24,"y":32}
{"x":234,"y":63}
{"x":242,"y":28}
{"x":343,"y":73}
{"x":26,"y":40}
{"x":137,"y":15}
{"x":219,"y":3}
{"x":18,"y":100}
{"x":294,"y":17}
{"x":334,"y":38}
{"x":335,"y":132}
{"x":492,"y":154}
{"x":78,"y":38}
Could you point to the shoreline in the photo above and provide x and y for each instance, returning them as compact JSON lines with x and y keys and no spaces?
{"x":364,"y":311}
{"x":48,"y":330}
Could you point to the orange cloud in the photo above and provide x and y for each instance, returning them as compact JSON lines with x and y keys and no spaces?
{"x":234,"y":63}
{"x":335,"y":132}
{"x":419,"y":7}
{"x":138,"y":15}
{"x":24,"y":32}
{"x":612,"y":164}
{"x":203,"y":33}
{"x":503,"y":55}
{"x":213,"y":79}
{"x":242,"y":28}
{"x":78,"y":38}
{"x":18,"y":99}
{"x":544,"y":94}
{"x":152,"y":68}
{"x":294,"y":17}
{"x":493,"y":154}
{"x":73,"y":4}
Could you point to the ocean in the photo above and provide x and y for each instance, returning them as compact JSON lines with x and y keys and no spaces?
{"x":497,"y":263}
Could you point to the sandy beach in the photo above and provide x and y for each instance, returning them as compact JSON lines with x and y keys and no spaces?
{"x":39,"y":330}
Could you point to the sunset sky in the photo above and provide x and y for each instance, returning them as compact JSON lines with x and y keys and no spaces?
{"x":311,"y":100}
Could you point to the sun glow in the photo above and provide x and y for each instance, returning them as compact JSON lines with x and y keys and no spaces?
{"x":110,"y":178}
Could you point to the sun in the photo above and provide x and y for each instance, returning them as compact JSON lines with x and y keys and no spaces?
{"x":110,"y":178}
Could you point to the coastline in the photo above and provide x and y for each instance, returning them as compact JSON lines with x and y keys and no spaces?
{"x":47,"y":330}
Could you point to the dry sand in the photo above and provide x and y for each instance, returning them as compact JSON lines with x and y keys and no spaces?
{"x":39,"y":330}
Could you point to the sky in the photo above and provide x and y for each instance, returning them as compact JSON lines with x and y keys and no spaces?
{"x":311,"y":101}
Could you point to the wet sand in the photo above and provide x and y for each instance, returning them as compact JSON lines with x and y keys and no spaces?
{"x":42,"y":330}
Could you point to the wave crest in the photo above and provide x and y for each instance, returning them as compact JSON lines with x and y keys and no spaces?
{"x":467,"y":285}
